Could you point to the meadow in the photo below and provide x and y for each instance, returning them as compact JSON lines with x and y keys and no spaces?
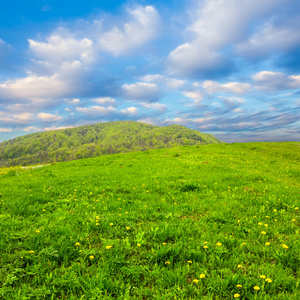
{"x":217,"y":221}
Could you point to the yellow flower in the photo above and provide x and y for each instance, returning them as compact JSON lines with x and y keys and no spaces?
{"x":202,"y":276}
{"x":77,"y":244}
{"x":195,"y":280}
{"x":239,"y":286}
{"x":37,"y":231}
{"x":164,"y":244}
{"x":267,"y":244}
{"x":259,"y":223}
{"x":269,"y":280}
{"x":31,"y":251}
{"x":263,"y":232}
{"x":296,"y":208}
{"x":108,"y":247}
{"x":167,"y":263}
{"x":257,"y":288}
{"x":205,"y":243}
{"x":97,"y":217}
{"x":127,"y":227}
{"x":240,"y":266}
{"x":274,"y":210}
{"x":92,"y":257}
{"x":262,"y":276}
{"x":139,"y":245}
{"x":189,"y":261}
{"x":266,"y":225}
{"x":284,"y":246}
{"x":219,"y":244}
{"x":236,"y":295}
{"x":205,"y":247}
{"x":44,"y":209}
{"x":97,"y":224}
{"x":111,"y":224}
{"x":293,"y":220}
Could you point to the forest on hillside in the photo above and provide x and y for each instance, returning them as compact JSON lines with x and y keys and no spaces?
{"x":96,"y":140}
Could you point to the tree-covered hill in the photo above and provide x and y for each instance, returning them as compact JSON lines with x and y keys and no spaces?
{"x":96,"y":140}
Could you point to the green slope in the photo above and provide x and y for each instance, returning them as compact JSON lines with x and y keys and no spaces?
{"x":147,"y":225}
{"x":96,"y":140}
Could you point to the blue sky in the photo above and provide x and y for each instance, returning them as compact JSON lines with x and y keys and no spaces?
{"x":226,"y":67}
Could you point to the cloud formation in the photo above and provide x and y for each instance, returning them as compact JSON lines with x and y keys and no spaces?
{"x":142,"y":28}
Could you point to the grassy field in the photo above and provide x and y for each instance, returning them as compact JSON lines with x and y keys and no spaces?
{"x":197,"y":222}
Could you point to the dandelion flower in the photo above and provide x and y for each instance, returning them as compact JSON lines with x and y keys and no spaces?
{"x":164,"y":244}
{"x":257,"y":288}
{"x":202,"y":276}
{"x":37,"y":231}
{"x":296,"y":208}
{"x":239,"y":286}
{"x":262,"y":276}
{"x":219,"y":244}
{"x":205,"y":243}
{"x":236,"y":295}
{"x":293,"y":220}
{"x":195,"y":280}
{"x":31,"y":251}
{"x":139,"y":245}
{"x":111,"y":224}
{"x":240,"y":266}
{"x":205,"y":247}
{"x":267,"y":244}
{"x":108,"y":247}
{"x":284,"y":246}
{"x":259,"y":223}
{"x":263,"y":232}
{"x":189,"y":261}
{"x":77,"y":244}
{"x":269,"y":280}
{"x":274,"y":210}
{"x":266,"y":225}
{"x":97,"y":224}
{"x":92,"y":257}
{"x":167,"y":263}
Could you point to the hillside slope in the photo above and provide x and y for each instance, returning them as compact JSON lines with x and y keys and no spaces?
{"x":96,"y":140}
{"x":218,"y":221}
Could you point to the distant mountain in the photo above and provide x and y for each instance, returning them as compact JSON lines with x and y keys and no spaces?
{"x":96,"y":140}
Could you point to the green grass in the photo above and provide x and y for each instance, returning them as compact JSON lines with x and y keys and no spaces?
{"x":169,"y":216}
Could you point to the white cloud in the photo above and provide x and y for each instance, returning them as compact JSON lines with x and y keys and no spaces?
{"x":269,"y":39}
{"x":142,"y":28}
{"x":157,"y":106}
{"x":46,"y":117}
{"x":107,"y":101}
{"x":19,"y":118}
{"x":130,"y":110}
{"x":172,"y":83}
{"x":216,"y":24}
{"x":275,"y":81}
{"x":31,"y":128}
{"x":36,"y":87}
{"x":230,"y":87}
{"x":63,"y":48}
{"x":96,"y":110}
{"x":141,"y":91}
{"x":5,"y":129}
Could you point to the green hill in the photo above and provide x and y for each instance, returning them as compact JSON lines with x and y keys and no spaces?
{"x":96,"y":140}
{"x":218,"y":221}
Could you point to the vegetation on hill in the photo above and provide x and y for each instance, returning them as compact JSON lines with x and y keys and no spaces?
{"x":96,"y":140}
{"x":193,"y":222}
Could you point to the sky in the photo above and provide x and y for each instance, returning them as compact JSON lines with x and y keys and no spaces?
{"x":230,"y":68}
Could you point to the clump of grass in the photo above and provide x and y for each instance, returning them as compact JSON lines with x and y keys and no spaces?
{"x":216,"y":222}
